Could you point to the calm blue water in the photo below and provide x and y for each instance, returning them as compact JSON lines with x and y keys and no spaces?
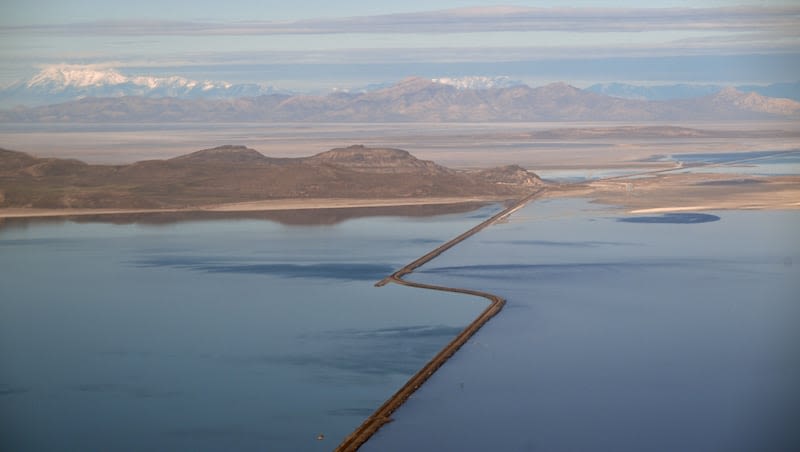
{"x":619,"y":336}
{"x":212,"y":335}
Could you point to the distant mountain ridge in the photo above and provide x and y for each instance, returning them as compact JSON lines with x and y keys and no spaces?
{"x":687,"y":91}
{"x":416,"y":99}
{"x":64,"y":83}
{"x":478,"y":82}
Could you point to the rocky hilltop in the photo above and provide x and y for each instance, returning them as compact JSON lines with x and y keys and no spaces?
{"x":225,"y":155}
{"x":237,"y":173}
{"x":379,"y":160}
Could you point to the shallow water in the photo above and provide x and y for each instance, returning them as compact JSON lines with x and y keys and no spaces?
{"x":582,"y":175}
{"x":618,"y":336}
{"x":760,"y":163}
{"x":212,"y":335}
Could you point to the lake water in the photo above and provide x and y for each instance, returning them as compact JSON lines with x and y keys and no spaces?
{"x":212,"y":335}
{"x":657,"y":332}
{"x":661,"y":334}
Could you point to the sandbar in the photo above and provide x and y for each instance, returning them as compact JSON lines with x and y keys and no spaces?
{"x":689,"y":192}
{"x":254,"y":206}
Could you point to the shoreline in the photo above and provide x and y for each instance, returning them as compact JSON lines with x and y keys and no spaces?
{"x":662,"y":193}
{"x":659,"y":193}
{"x":252,"y":206}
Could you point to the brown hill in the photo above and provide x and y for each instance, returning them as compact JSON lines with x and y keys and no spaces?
{"x":10,"y":160}
{"x":228,"y":154}
{"x":236,"y":173}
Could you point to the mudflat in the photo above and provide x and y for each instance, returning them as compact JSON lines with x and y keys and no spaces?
{"x":689,"y":192}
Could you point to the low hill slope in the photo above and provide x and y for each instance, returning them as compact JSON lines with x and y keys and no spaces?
{"x":236,"y":173}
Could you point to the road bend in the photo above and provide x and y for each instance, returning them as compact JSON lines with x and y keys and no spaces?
{"x":383,"y":414}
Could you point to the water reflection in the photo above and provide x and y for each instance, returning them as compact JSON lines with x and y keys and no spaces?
{"x":297,"y":217}
{"x":346,"y":271}
{"x":167,"y":332}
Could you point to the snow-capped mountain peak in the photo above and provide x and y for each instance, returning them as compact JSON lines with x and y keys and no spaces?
{"x":76,"y":76}
{"x":89,"y":76}
{"x":156,"y":82}
{"x":60,"y":83}
{"x":477,"y":82}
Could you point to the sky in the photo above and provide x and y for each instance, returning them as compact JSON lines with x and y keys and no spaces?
{"x":321,"y":45}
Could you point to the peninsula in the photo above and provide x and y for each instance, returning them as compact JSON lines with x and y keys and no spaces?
{"x":237,"y":178}
{"x":230,"y":179}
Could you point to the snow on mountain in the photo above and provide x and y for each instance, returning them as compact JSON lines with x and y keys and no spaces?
{"x":461,"y":83}
{"x":75,"y":76}
{"x":477,"y":82}
{"x":418,"y":99}
{"x":63,"y":83}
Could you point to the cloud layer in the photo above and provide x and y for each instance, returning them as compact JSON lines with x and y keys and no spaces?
{"x":571,"y":44}
{"x":784,"y":20}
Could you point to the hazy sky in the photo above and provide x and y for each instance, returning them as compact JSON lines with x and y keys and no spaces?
{"x":323,"y":44}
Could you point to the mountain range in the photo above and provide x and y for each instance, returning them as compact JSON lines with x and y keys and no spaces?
{"x":686,"y":91}
{"x":64,"y":83}
{"x":228,"y":174}
{"x":415,"y":99}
